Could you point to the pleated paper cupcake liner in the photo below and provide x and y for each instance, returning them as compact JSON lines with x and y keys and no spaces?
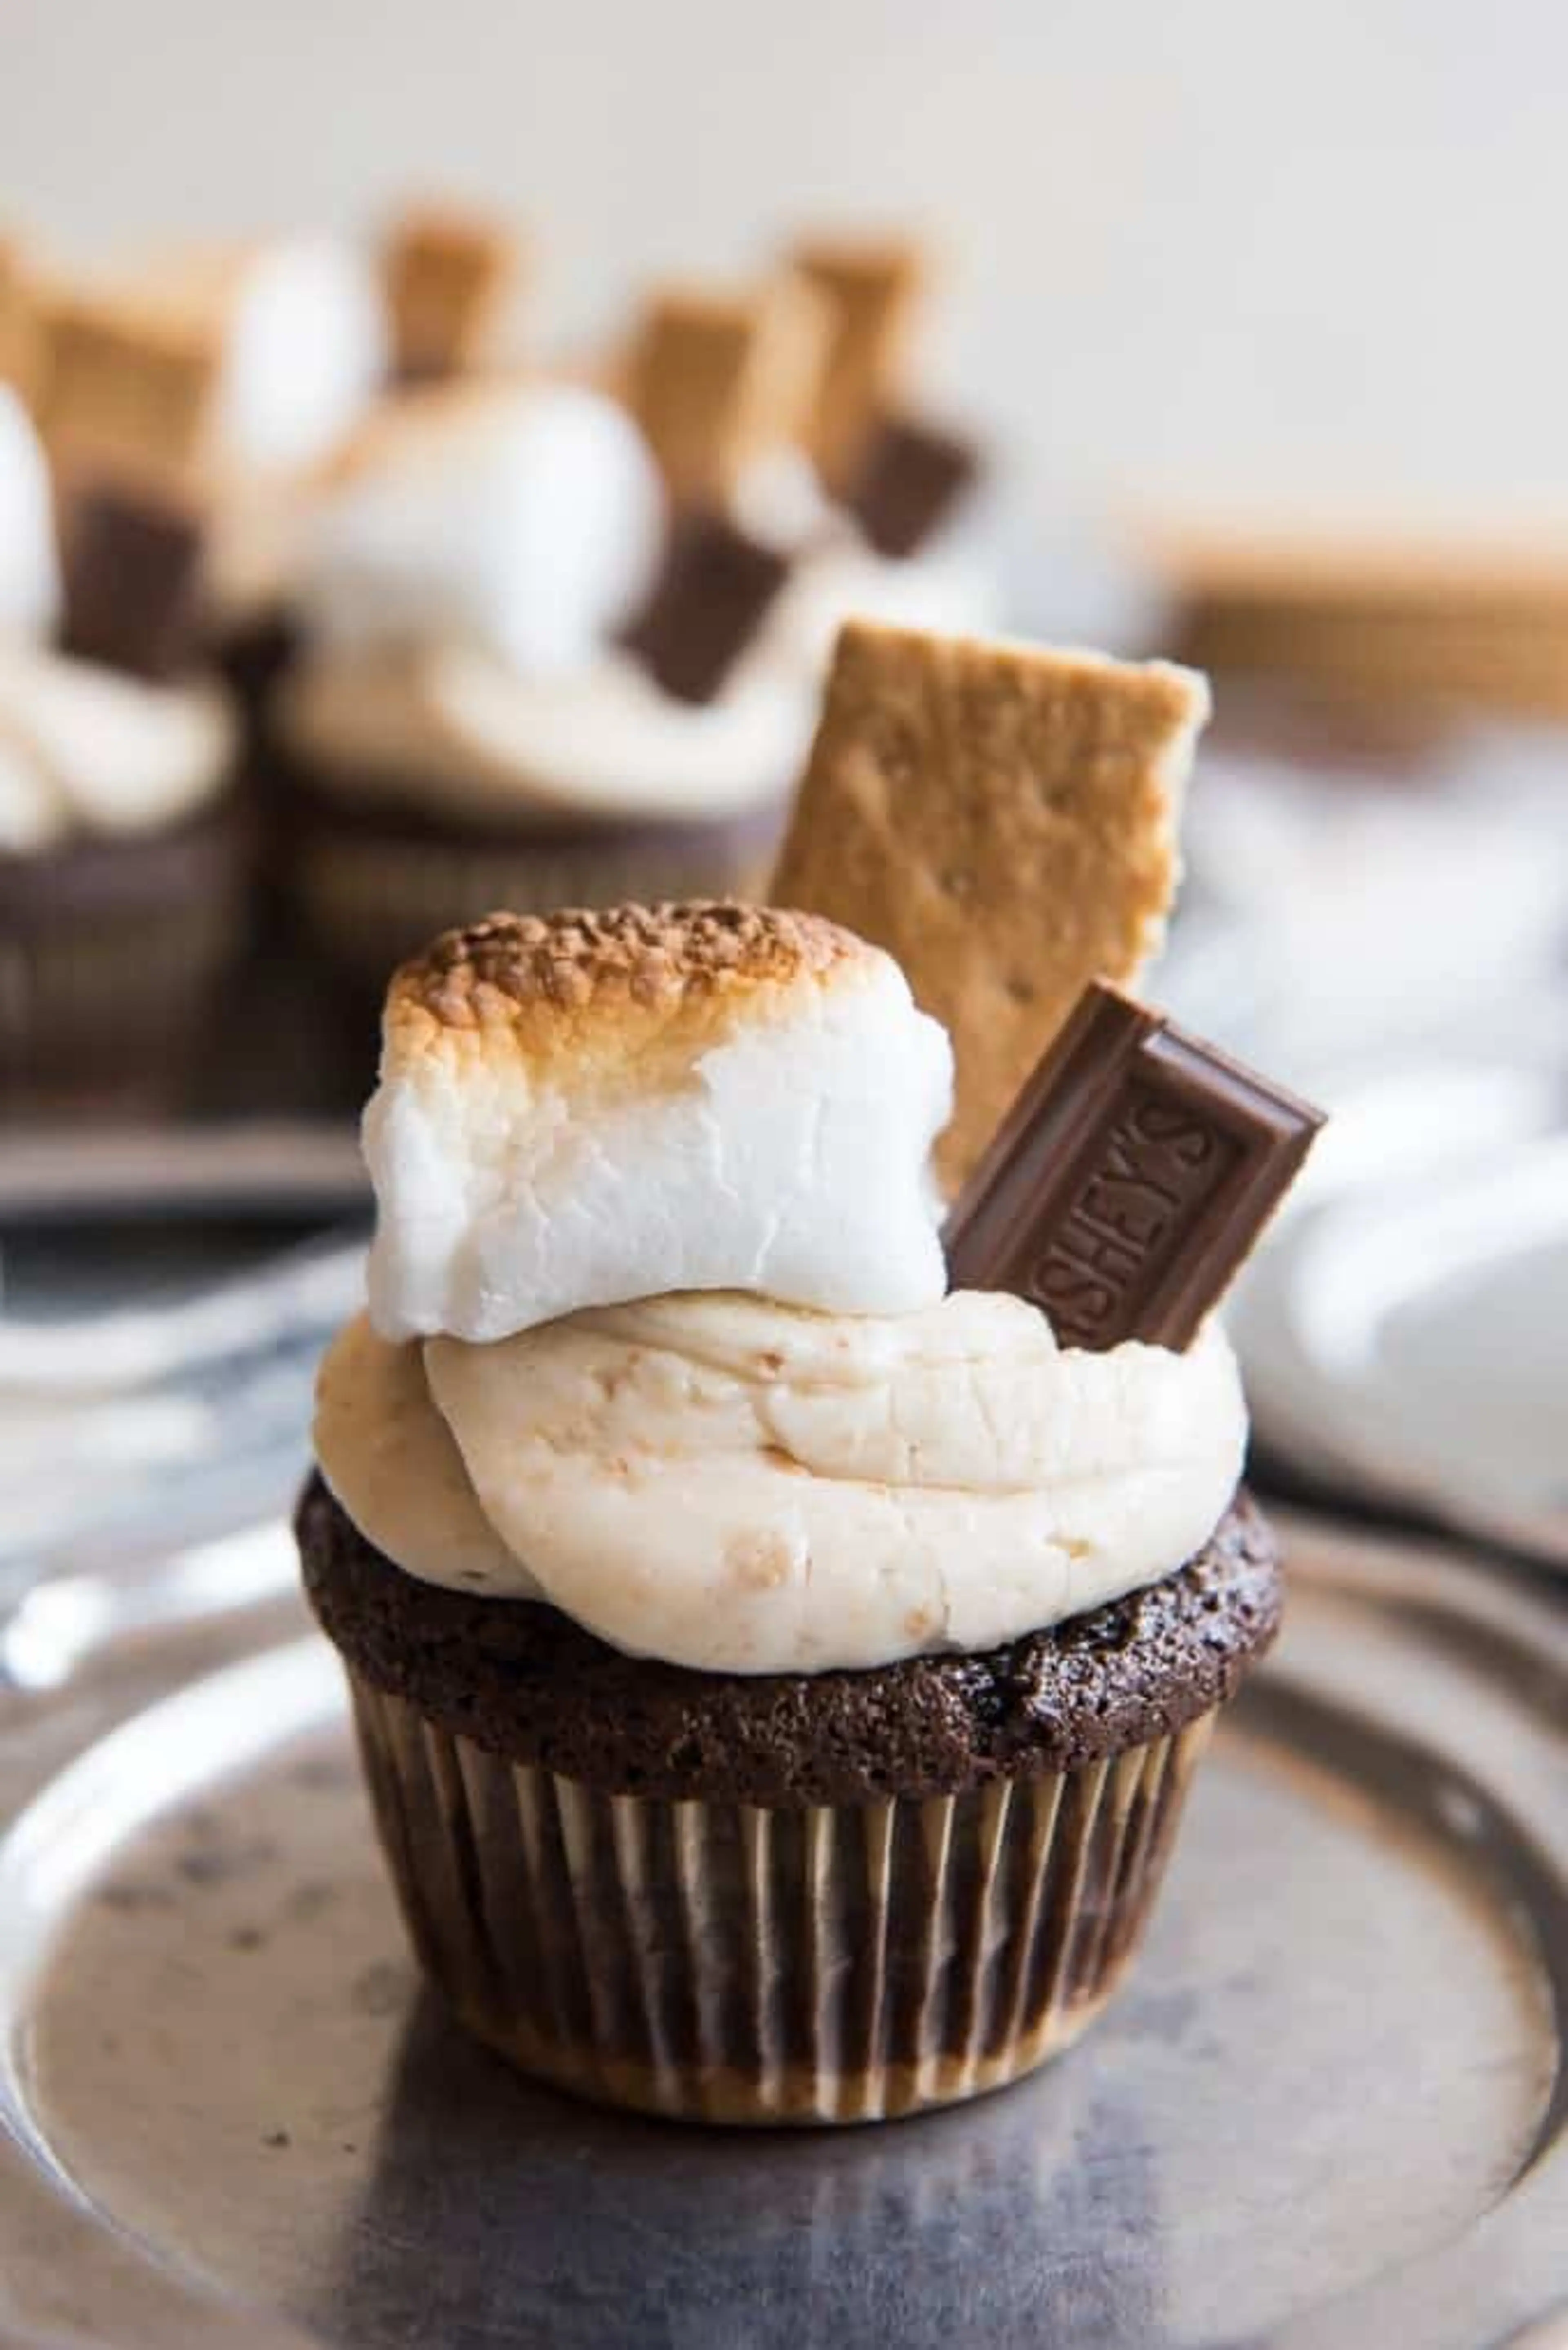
{"x":726,"y":1963}
{"x":371,"y":897}
{"x":111,"y":1008}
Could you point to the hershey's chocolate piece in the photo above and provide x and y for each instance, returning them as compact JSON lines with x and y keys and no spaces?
{"x":707,"y":603}
{"x":908,"y":478}
{"x":1129,"y":1180}
{"x":131,"y":564}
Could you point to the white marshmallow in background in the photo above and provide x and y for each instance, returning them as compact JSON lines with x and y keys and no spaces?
{"x":84,"y":749}
{"x":785,"y":1146}
{"x":528,"y":523}
{"x":304,"y":353}
{"x":29,"y":566}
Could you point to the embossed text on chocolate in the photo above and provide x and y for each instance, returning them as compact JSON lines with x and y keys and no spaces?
{"x":1126,"y":1215}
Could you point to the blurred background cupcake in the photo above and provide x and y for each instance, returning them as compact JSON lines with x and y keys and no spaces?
{"x":123,"y":836}
{"x":560,"y":636}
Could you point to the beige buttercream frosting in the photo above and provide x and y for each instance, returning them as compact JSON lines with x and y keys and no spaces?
{"x":85,"y":750}
{"x":738,"y":1486}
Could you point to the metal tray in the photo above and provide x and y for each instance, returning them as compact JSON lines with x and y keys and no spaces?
{"x":1332,"y":2106}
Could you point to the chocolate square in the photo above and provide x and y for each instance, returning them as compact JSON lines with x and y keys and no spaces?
{"x":707,"y":603}
{"x":131,"y":563}
{"x":1129,"y":1181}
{"x":908,"y":479}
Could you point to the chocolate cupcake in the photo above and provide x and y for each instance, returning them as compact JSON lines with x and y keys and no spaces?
{"x":777,"y":1678}
{"x":775,"y":1897}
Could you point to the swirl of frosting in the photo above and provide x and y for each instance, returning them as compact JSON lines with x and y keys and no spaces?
{"x":85,"y":750}
{"x":735,"y":1485}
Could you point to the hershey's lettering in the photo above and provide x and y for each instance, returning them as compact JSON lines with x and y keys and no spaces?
{"x":1125,"y":1218}
{"x":1129,"y":1180}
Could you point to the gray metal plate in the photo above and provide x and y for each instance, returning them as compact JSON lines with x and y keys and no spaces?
{"x":1330,"y":2107}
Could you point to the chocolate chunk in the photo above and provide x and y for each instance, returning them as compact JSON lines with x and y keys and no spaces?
{"x":909,"y":477}
{"x":707,"y":603}
{"x":131,"y":576}
{"x":1129,"y":1180}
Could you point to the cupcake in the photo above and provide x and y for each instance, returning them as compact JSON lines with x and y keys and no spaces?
{"x":123,"y":842}
{"x":561,"y":641}
{"x":778,"y":1678}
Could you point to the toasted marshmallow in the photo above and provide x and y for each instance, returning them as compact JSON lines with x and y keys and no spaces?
{"x":585,"y":1108}
{"x":525,"y":518}
{"x":30,"y":570}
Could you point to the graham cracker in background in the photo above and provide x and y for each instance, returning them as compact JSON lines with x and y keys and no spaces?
{"x":130,"y":387}
{"x":21,"y":326}
{"x":872,"y":291}
{"x":448,"y":275}
{"x":1366,"y":624}
{"x":1002,"y":818}
{"x":715,"y":378}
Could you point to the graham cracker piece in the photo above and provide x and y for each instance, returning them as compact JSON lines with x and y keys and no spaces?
{"x":127,"y":386}
{"x":447,"y":275}
{"x":21,"y":326}
{"x":1431,"y":625}
{"x":871,"y":291}
{"x":716,"y":378}
{"x":1002,"y":818}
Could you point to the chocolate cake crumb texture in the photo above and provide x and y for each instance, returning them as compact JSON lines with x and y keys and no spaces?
{"x":522,"y":1680}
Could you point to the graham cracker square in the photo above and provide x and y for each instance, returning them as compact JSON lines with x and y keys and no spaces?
{"x":127,"y":386}
{"x":715,"y":378}
{"x":1001,"y":819}
{"x":871,"y":293}
{"x":447,"y":274}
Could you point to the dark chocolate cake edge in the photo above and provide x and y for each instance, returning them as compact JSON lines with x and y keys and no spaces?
{"x":522,"y":1681}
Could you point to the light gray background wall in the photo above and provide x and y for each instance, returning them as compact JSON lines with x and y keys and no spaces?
{"x":1300,"y":257}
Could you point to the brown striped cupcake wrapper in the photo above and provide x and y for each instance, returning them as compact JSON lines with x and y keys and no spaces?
{"x":722,"y":1962}
{"x":111,"y":1009}
{"x":371,"y":895}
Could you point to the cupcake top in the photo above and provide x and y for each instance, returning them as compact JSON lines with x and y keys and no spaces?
{"x":658,"y":1328}
{"x":471,"y":588}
